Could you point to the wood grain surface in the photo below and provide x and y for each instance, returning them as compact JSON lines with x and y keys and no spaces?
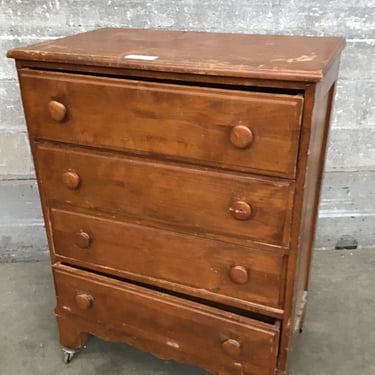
{"x":275,"y":57}
{"x":188,"y":264}
{"x":179,"y":122}
{"x":189,"y":200}
{"x":168,"y":326}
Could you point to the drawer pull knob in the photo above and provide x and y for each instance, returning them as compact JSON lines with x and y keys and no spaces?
{"x":241,"y":136}
{"x":232,"y":348}
{"x":239,"y":275}
{"x":82,"y":239}
{"x":240,"y":210}
{"x":84,"y":301}
{"x":71,"y":180}
{"x":57,"y":110}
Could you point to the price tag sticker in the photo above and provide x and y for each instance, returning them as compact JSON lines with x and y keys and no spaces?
{"x":141,"y":57}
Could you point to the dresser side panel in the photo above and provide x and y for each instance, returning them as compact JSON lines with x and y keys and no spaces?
{"x":310,"y":208}
{"x":315,"y":128}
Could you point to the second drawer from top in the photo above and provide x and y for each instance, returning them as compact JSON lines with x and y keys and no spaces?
{"x":230,"y":206}
{"x":232,"y":129}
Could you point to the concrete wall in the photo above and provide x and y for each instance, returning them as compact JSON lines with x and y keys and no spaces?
{"x":347,"y":206}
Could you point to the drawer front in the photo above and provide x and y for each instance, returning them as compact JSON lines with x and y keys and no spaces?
{"x":221,"y":342}
{"x":182,"y":199}
{"x":225,"y":128}
{"x":209,"y":269}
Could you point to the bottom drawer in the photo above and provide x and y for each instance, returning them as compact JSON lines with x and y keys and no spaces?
{"x":170,"y":327}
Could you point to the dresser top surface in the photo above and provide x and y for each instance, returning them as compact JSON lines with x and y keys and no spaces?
{"x":278,"y":57}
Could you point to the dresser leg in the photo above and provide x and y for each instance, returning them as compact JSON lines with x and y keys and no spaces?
{"x":279,"y":372}
{"x":71,"y":338}
{"x":302,"y":313}
{"x":68,"y":354}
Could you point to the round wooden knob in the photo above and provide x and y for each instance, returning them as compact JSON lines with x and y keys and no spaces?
{"x":82,"y":239}
{"x":57,"y":110}
{"x":240,"y":210}
{"x":84,"y":301}
{"x":239,"y":274}
{"x":241,"y":136}
{"x":71,"y":180}
{"x":232,"y":348}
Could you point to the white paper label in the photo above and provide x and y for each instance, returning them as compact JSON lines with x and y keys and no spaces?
{"x":141,"y":57}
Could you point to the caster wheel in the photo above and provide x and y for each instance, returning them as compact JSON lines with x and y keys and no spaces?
{"x":301,"y":330}
{"x":68,"y":355}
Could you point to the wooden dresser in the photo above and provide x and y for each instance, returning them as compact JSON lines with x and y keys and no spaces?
{"x":179,"y":175}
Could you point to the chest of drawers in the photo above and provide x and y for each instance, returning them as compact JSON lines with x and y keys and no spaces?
{"x":179,"y":175}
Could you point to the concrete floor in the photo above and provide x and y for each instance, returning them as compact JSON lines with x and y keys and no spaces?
{"x":339,"y":335}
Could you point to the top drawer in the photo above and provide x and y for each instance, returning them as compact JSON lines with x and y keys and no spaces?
{"x":233,"y":129}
